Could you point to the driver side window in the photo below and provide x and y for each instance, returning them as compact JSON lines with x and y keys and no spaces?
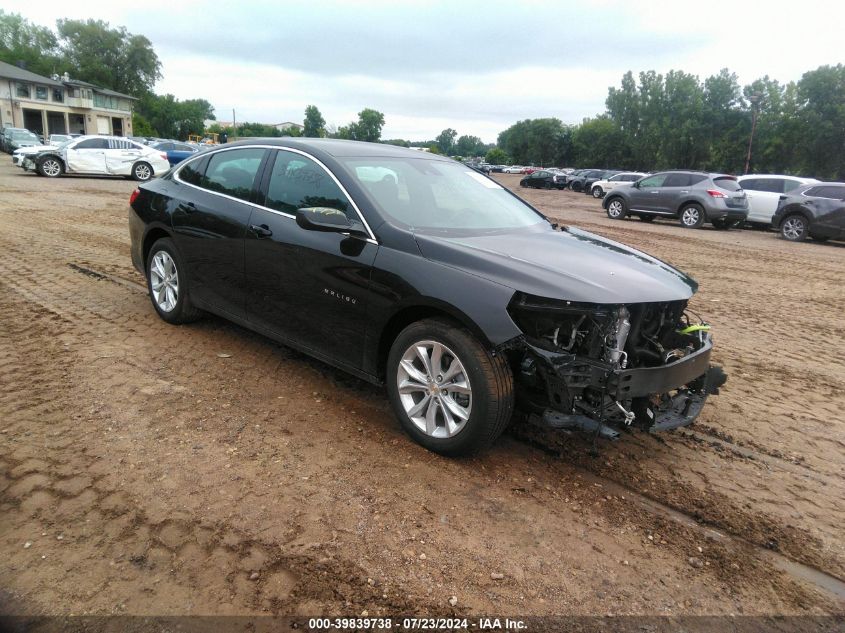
{"x":653,"y":181}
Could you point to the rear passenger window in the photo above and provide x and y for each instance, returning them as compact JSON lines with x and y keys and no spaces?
{"x":92,"y":143}
{"x":677,"y":180}
{"x":789,"y":185}
{"x":233,"y":172}
{"x":694,"y":179}
{"x":297,"y":182}
{"x":192,"y":172}
{"x":834,"y":193}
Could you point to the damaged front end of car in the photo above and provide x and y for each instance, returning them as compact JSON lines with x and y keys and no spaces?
{"x":600,"y":368}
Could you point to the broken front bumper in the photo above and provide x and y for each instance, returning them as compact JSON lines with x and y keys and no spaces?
{"x":657,"y":398}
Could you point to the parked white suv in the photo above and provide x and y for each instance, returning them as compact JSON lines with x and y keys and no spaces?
{"x":764,"y":191}
{"x":601,"y":187}
{"x":108,"y":155}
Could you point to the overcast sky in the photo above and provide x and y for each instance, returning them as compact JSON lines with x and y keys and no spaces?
{"x":474,"y":66}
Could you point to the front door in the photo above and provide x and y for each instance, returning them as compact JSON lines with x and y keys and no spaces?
{"x":210,"y":221}
{"x":646,"y":196}
{"x":88,"y":156}
{"x":307,"y":286}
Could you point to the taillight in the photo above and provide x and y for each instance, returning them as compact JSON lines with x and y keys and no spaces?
{"x":163,"y":155}
{"x":134,"y":196}
{"x":715,"y":194}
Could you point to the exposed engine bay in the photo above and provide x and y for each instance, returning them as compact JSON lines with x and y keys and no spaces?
{"x":601,"y":367}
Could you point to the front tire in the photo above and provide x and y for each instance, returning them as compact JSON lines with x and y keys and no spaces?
{"x":616,"y":209}
{"x":450,"y":394}
{"x":167,"y":284}
{"x":50,"y":167}
{"x":795,"y":228}
{"x":598,"y":192}
{"x":142,"y":171}
{"x":692,"y":216}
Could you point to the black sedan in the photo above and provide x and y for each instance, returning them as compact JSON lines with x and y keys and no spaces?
{"x":542,"y":179}
{"x":816,"y":211}
{"x":415,"y":271}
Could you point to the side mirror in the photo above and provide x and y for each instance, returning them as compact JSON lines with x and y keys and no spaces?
{"x":328,"y":220}
{"x":636,"y":184}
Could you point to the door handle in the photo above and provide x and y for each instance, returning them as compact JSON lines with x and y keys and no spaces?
{"x":685,"y":191}
{"x":187,"y":207}
{"x":261,"y":231}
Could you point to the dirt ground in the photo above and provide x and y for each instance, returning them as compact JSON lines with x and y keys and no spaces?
{"x":153,"y":469}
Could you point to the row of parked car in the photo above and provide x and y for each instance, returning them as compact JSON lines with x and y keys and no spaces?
{"x":136,"y":157}
{"x":796,"y":207}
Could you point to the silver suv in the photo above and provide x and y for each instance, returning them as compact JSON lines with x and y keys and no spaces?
{"x":693,"y":197}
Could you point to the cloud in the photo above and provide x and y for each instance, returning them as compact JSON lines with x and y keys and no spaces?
{"x":476,"y":66}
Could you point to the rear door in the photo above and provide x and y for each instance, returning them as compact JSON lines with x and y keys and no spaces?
{"x":670,"y":195}
{"x":88,"y":156}
{"x":213,"y":199}
{"x":121,"y":154}
{"x":763,"y":195}
{"x":310,"y":287}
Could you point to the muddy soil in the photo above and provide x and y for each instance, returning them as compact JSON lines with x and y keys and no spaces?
{"x":203,"y":469}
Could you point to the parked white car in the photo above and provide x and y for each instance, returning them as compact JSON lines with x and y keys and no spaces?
{"x":513,"y":169}
{"x":601,"y":187}
{"x":108,"y":155}
{"x":764,"y":191}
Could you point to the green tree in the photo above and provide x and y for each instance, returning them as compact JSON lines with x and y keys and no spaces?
{"x":469,"y":146}
{"x":314,"y":123}
{"x":497,"y":156}
{"x":367,"y":128}
{"x":35,"y":46}
{"x":821,"y":95}
{"x":172,"y":118}
{"x":142,"y":127}
{"x":108,"y":57}
{"x":538,"y":142}
{"x":446,"y":141}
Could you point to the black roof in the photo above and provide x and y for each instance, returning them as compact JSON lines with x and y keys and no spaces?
{"x":342,"y":149}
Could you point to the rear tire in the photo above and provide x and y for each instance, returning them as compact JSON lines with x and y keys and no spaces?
{"x":598,"y":192}
{"x":431,"y":414}
{"x":142,"y":171}
{"x":616,"y":209}
{"x":692,"y":216}
{"x":167,"y":284}
{"x":795,"y":228}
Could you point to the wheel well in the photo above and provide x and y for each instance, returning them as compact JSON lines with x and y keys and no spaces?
{"x":56,"y":156}
{"x":789,"y":214}
{"x":150,"y":239}
{"x":687,"y":203}
{"x":403,"y":319}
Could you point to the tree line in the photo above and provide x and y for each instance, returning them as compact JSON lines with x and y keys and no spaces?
{"x":657,"y":121}
{"x":651,"y":121}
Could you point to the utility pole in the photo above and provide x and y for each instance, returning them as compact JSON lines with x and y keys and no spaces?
{"x":234,"y":125}
{"x":755,"y":99}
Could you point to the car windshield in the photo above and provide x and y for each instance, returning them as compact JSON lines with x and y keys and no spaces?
{"x":24,"y":136}
{"x":439,"y":195}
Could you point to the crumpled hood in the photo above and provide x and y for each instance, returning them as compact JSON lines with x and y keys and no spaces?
{"x":568,"y":264}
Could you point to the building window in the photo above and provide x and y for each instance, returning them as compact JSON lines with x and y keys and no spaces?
{"x":23,"y":91}
{"x":41,"y":93}
{"x":58,"y":95}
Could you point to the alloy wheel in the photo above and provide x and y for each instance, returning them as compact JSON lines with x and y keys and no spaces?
{"x":794,"y":228}
{"x":51,"y":167}
{"x":690,"y":216}
{"x":164,"y":281}
{"x":143,"y":172}
{"x":434,"y":389}
{"x":614,"y":209}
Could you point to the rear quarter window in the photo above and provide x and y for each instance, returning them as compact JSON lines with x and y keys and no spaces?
{"x":728,"y":184}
